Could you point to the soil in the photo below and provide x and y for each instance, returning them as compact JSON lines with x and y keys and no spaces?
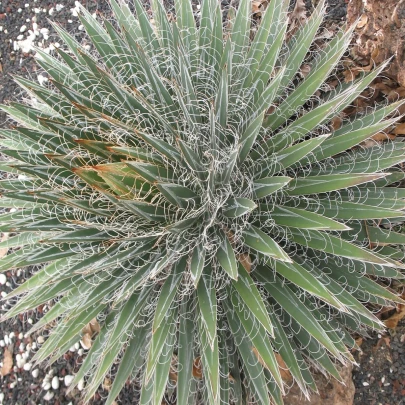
{"x":380,"y":376}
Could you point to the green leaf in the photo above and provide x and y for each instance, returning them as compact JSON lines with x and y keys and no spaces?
{"x":178,"y":195}
{"x":236,"y":207}
{"x":158,"y":341}
{"x":287,"y":157}
{"x":261,"y":242}
{"x":268,"y":185}
{"x":327,"y":183}
{"x":226,"y":257}
{"x":305,"y":280}
{"x":250,"y":296}
{"x":291,"y":355}
{"x":348,"y":210}
{"x":151,"y":173}
{"x":207,"y":302}
{"x":248,"y":138}
{"x":340,"y":143}
{"x":127,"y":364}
{"x":221,"y":102}
{"x":185,"y":381}
{"x":290,"y":303}
{"x":334,"y":245}
{"x":147,"y":211}
{"x":197,"y":263}
{"x":257,"y":335}
{"x":210,"y":364}
{"x":299,"y":218}
{"x":250,"y":363}
{"x":168,"y":292}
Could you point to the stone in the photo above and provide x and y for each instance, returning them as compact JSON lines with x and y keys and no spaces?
{"x":331,"y":391}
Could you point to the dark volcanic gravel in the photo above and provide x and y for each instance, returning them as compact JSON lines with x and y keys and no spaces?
{"x":380,"y":378}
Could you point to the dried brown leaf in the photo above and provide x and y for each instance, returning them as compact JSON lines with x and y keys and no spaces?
{"x":363,"y":21}
{"x":336,"y":122}
{"x":7,"y":362}
{"x":256,"y":7}
{"x":399,"y":129}
{"x":284,"y":371}
{"x":94,"y":326}
{"x":298,"y":17}
{"x":382,"y":136}
{"x":245,"y":261}
{"x":393,"y":320}
{"x":107,"y":384}
{"x":3,"y":251}
{"x":197,"y":368}
{"x":86,"y":341}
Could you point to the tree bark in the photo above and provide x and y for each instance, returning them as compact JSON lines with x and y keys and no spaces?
{"x":380,"y":34}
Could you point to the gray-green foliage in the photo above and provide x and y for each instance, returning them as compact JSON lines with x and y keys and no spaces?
{"x":181,"y":184}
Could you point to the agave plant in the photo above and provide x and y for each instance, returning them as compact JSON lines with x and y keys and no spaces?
{"x":182,"y":184}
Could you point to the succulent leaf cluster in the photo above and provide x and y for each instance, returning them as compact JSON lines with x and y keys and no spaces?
{"x":181,"y":183}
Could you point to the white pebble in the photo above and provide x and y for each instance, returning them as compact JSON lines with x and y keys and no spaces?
{"x":30,"y":321}
{"x":49,"y":395}
{"x":59,"y":7}
{"x":3,"y":294}
{"x":8,"y":284}
{"x":3,"y":278}
{"x":35,"y":373}
{"x":2,"y":344}
{"x":80,"y":385}
{"x":20,"y":336}
{"x":40,"y":340}
{"x":27,"y":366}
{"x":51,"y":10}
{"x":77,"y":346}
{"x":23,"y":28}
{"x":366,"y":384}
{"x":26,"y":5}
{"x":68,"y":380}
{"x":11,"y":335}
{"x":6,"y":340}
{"x":13,"y":384}
{"x":1,"y":397}
{"x":19,"y":10}
{"x":55,"y":383}
{"x":46,"y":386}
{"x":42,"y":79}
{"x":80,"y":352}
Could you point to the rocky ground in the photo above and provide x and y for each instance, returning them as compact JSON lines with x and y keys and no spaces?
{"x":380,"y":376}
